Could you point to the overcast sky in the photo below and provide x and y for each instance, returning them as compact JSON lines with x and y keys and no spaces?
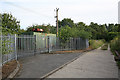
{"x":30,"y":12}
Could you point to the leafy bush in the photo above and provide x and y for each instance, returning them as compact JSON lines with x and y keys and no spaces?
{"x":66,"y":32}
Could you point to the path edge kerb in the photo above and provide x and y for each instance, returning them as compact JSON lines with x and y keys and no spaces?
{"x":55,"y":70}
{"x":12,"y":75}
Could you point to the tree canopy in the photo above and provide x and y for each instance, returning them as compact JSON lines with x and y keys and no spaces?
{"x":66,"y":22}
{"x":67,"y":29}
{"x":10,"y":24}
{"x":92,"y":31}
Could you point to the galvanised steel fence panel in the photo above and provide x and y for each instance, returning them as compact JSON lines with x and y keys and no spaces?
{"x":69,"y":44}
{"x":17,"y":46}
{"x":87,"y":43}
{"x":41,"y":43}
{"x":45,"y":43}
{"x":52,"y":42}
{"x":26,"y":45}
{"x":8,"y":48}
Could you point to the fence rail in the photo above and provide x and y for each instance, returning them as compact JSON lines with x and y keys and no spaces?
{"x":19,"y":46}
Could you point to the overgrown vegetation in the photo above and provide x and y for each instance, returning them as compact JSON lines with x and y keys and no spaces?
{"x":115,"y":46}
{"x":105,"y":46}
{"x":94,"y":44}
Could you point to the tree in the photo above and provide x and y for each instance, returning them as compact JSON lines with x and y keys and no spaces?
{"x":84,"y":34}
{"x":118,"y":27}
{"x":21,"y":31}
{"x":52,"y":29}
{"x":66,"y":22}
{"x":94,"y":30}
{"x":10,"y":24}
{"x":80,"y":25}
{"x":98,"y":31}
{"x":64,"y":33}
{"x":102,"y":33}
{"x":110,"y":28}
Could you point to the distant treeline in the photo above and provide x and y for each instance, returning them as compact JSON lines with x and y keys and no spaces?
{"x":67,"y":28}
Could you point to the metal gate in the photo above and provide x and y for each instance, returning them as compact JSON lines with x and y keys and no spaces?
{"x":25,"y":45}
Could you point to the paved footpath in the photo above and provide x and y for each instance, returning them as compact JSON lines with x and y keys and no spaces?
{"x":41,"y":64}
{"x":94,"y":64}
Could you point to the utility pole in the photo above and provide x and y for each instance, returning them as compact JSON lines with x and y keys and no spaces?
{"x":57,"y":20}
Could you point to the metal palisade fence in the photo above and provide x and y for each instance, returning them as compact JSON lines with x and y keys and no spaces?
{"x":8,"y":48}
{"x":68,"y":44}
{"x":19,"y":46}
{"x":25,"y":45}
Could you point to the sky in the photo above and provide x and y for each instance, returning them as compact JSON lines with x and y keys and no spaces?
{"x":30,"y":12}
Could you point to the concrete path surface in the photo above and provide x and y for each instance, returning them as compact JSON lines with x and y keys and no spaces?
{"x":41,"y":64}
{"x":94,"y":64}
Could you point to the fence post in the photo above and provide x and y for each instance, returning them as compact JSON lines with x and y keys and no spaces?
{"x":34,"y":44}
{"x":16,"y":47}
{"x":73,"y":43}
{"x":87,"y":43}
{"x":57,"y":44}
{"x":70,"y":44}
{"x":76,"y":43}
{"x":48,"y":44}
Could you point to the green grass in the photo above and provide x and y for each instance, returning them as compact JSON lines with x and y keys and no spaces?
{"x":104,"y":47}
{"x":96,"y":43}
